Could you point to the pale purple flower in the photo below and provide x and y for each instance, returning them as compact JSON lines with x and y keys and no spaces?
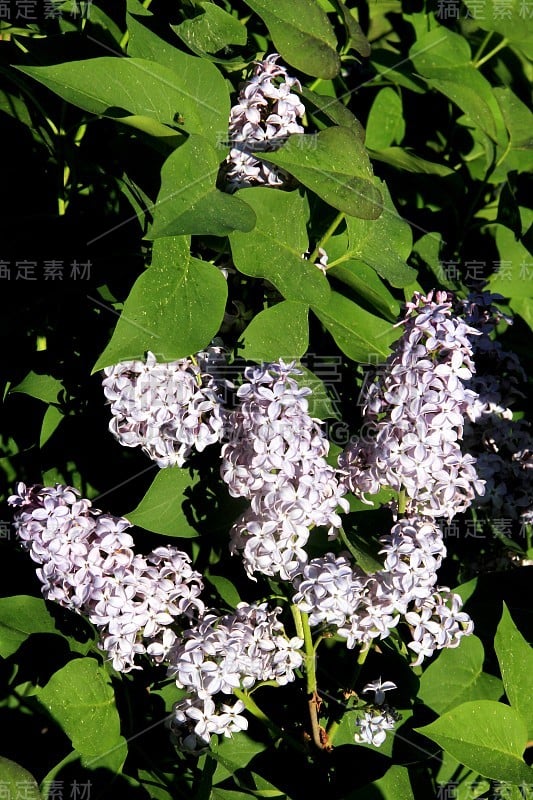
{"x":266,"y":113}
{"x":417,"y":407}
{"x":373,"y":724}
{"x":379,"y":688}
{"x":87,"y":564}
{"x":166,"y":408}
{"x":275,"y":456}
{"x":234,"y":651}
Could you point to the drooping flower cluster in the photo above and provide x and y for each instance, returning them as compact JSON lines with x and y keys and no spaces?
{"x":503,"y":446}
{"x":166,"y":408}
{"x":267,"y":112}
{"x":87,"y":564}
{"x":417,"y":408}
{"x":276,"y":458}
{"x":222,"y":654}
{"x":365,"y":607}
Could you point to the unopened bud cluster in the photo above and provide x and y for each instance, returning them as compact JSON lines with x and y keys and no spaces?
{"x":87,"y":564}
{"x":167,"y":409}
{"x":266,"y":113}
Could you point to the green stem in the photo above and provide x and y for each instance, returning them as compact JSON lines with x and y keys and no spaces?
{"x":315,"y":83}
{"x":482,"y":46}
{"x":319,"y":734}
{"x":327,"y":236}
{"x":504,"y":42}
{"x":361,"y":658}
{"x":402,"y":502}
{"x":126,"y":37}
{"x":298,"y":624}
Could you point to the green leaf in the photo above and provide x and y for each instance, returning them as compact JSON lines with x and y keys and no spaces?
{"x":356,"y":40}
{"x":230,"y":794}
{"x":212,"y":30}
{"x":174,"y":308}
{"x":233,"y":754}
{"x":457,"y":676}
{"x":302,"y":34}
{"x":42,"y":387}
{"x":129,"y":88}
{"x":161,"y":509}
{"x":52,"y":418}
{"x":386,"y":63}
{"x":81,"y":700}
{"x":345,"y":735}
{"x":111,"y":760}
{"x":523,"y":306}
{"x":368,"y":285}
{"x":428,"y":248}
{"x":189,"y":202}
{"x":359,"y":334}
{"x":335,"y":111}
{"x":20,"y":616}
{"x":274,"y":249}
{"x":403,"y":159}
{"x":281,"y":331}
{"x":512,"y":23}
{"x":443,"y":59}
{"x":513,"y":277}
{"x":334,"y":164}
{"x":515,"y":657}
{"x":394,"y":785}
{"x":383,"y":244}
{"x":16,"y":780}
{"x":224,"y":587}
{"x":385,"y":124}
{"x":485,"y":736}
{"x":321,"y":403}
{"x":519,"y":152}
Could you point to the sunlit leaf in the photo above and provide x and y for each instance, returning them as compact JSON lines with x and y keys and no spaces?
{"x":162,"y":508}
{"x":80,"y":698}
{"x":488,"y":737}
{"x":280,"y":331}
{"x":174,"y":308}
{"x":189,"y":202}
{"x":302,"y":33}
{"x":335,"y":165}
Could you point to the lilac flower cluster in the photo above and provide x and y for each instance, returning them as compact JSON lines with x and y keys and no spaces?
{"x":365,"y":607}
{"x":222,"y":654}
{"x":502,"y":445}
{"x":417,"y":408}
{"x":265,"y":115}
{"x":372,"y":725}
{"x":195,"y":721}
{"x":276,"y":458}
{"x":165,"y":408}
{"x":87,"y":564}
{"x":374,"y":720}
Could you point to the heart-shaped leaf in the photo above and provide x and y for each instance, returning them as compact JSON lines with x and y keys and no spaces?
{"x":335,"y":165}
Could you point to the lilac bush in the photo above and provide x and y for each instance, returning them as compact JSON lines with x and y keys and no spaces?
{"x":224,"y":223}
